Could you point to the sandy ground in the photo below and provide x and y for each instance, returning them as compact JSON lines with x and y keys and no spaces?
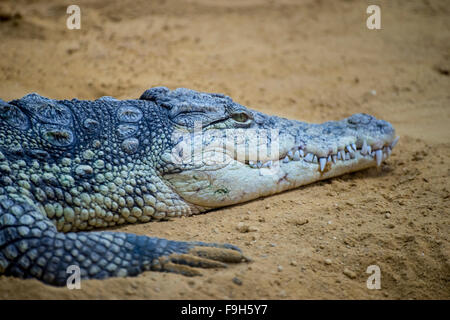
{"x":307,"y":60}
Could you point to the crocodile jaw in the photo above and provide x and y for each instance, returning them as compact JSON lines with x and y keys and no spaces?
{"x":315,"y":157}
{"x":237,"y":183}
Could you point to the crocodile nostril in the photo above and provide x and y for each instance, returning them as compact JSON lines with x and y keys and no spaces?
{"x":385,"y":127}
{"x":360,"y":118}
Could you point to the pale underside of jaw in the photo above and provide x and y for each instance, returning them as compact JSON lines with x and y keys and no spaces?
{"x":238,"y":181}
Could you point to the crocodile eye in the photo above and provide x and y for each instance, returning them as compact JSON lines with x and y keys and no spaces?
{"x":240,"y":117}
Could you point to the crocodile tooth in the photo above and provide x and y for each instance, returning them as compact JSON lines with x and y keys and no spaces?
{"x":379,"y":156}
{"x":388,"y":151}
{"x":301,"y":152}
{"x":364,"y":148}
{"x":259,"y":164}
{"x":309,"y":157}
{"x":347,"y":156}
{"x":322,"y":162}
{"x":334,"y":158}
{"x":268,"y":164}
{"x":339,"y":155}
{"x":329,"y":159}
{"x":251,"y":164}
{"x":393,"y":144}
{"x":286,"y":159}
{"x":315,"y":159}
{"x":296,"y":156}
{"x":290,"y":154}
{"x":349,"y":149}
{"x":369,"y":150}
{"x":354,"y":147}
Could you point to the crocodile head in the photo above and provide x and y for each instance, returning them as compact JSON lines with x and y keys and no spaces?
{"x":222,"y":153}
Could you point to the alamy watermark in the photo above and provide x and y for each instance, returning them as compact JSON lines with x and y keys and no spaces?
{"x":373,"y":22}
{"x":374,"y":280}
{"x":73,"y":22}
{"x":74,"y":280}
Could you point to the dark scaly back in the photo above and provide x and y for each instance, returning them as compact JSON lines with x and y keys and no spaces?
{"x":75,"y":165}
{"x":88,"y":164}
{"x":57,"y":153}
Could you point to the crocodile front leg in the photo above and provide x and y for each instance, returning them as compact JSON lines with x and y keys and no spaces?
{"x":31,"y":247}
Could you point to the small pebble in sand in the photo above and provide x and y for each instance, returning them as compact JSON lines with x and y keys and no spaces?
{"x":328,"y":261}
{"x":387,"y":215}
{"x":242,"y":227}
{"x":293,"y":263}
{"x":349,"y":273}
{"x":237,"y":281}
{"x":299,"y":221}
{"x":191,"y":283}
{"x":280,"y":268}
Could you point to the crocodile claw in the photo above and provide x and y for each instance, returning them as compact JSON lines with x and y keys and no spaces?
{"x":201,"y":256}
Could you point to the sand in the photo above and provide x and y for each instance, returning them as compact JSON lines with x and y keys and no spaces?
{"x":308,"y":60}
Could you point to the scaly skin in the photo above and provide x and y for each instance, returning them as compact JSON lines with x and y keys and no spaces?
{"x":71,"y":166}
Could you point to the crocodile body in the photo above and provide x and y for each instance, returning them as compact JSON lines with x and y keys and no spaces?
{"x":67,"y":167}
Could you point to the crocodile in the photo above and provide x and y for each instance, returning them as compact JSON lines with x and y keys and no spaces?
{"x":70,"y":166}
